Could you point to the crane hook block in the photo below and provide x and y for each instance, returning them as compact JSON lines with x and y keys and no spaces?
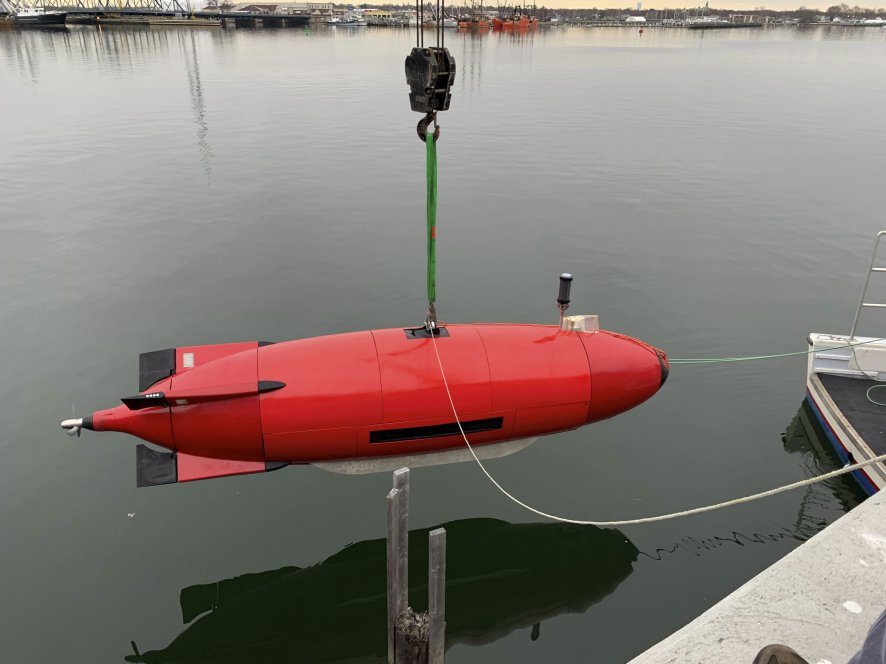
{"x":430,"y":73}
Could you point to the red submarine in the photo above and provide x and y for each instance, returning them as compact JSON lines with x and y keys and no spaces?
{"x":376,"y":400}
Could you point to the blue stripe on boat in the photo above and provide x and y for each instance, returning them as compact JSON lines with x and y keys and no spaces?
{"x":860,"y":477}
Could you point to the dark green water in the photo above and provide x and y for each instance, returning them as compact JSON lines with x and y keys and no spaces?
{"x":713,"y":193}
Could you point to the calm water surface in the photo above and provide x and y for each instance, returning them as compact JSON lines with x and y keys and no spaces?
{"x":715,"y":194}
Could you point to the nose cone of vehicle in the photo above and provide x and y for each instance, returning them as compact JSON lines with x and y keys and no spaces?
{"x":625,"y":372}
{"x":665,"y":366}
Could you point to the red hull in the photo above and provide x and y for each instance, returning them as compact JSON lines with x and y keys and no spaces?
{"x":516,"y":23}
{"x":379,"y":393}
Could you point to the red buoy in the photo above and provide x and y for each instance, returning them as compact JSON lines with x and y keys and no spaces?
{"x":374,"y":400}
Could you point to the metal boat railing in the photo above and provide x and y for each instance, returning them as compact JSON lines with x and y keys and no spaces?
{"x":861,"y":301}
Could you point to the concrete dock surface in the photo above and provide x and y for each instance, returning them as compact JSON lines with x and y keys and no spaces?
{"x":820,"y":599}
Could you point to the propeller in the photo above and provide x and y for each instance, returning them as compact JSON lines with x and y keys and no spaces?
{"x":74,"y":426}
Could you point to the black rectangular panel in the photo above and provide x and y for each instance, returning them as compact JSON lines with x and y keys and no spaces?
{"x":435,"y":431}
{"x":425,"y":333}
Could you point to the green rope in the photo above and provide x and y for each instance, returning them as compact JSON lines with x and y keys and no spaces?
{"x":716,"y":360}
{"x":432,"y":217}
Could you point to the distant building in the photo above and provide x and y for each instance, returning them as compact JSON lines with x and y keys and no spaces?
{"x":256,"y":9}
{"x":635,"y":19}
{"x":312,"y":8}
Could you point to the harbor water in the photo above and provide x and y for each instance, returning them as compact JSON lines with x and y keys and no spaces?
{"x":714,"y":194}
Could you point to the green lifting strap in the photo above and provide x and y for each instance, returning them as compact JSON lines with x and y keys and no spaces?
{"x":432,"y":217}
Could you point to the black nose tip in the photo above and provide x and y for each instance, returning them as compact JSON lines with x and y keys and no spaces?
{"x":665,"y":367}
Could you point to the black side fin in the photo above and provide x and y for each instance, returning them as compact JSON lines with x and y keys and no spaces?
{"x":269,"y":385}
{"x":149,"y":400}
{"x":154,"y":468}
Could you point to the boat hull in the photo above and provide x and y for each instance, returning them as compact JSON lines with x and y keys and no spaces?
{"x":840,"y":377}
{"x":41,"y":21}
{"x":842,"y":436}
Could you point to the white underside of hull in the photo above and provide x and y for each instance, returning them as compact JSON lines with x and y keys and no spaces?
{"x":368,"y":465}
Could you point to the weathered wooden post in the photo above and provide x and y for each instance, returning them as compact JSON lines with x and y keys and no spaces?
{"x":436,"y":595}
{"x":398,"y":554}
{"x":413,"y":638}
{"x":401,"y":484}
{"x":393,"y":585}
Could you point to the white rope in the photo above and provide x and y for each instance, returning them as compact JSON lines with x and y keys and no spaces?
{"x":648,"y":519}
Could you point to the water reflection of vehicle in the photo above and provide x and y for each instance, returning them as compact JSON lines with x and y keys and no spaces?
{"x":499,"y":577}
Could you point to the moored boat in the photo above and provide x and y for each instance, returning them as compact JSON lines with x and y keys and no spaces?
{"x":156,"y":22}
{"x":846,"y":390}
{"x":38,"y":17}
{"x":516,"y":21}
{"x":347,"y":21}
{"x":122,"y":21}
{"x":475,"y":23}
{"x":447,"y":22}
{"x":352,"y":21}
{"x":186,"y":21}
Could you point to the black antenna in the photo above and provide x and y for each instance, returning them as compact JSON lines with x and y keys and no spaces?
{"x":563,"y":295}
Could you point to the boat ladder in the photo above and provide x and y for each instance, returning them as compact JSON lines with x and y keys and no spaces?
{"x":861,"y":301}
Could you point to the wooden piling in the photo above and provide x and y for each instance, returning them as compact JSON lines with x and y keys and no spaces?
{"x":393,"y":587}
{"x":413,"y":638}
{"x":401,"y":483}
{"x":436,"y":595}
